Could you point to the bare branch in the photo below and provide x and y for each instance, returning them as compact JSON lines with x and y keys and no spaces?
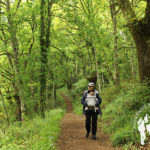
{"x":83,"y":7}
{"x":2,"y":3}
{"x":59,"y":50}
{"x":147,"y":10}
{"x":6,"y":72}
{"x":7,"y":53}
{"x":18,"y":4}
{"x":127,"y":10}
{"x":5,"y":76}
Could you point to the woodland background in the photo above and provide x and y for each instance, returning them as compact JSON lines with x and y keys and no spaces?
{"x":49,"y":46}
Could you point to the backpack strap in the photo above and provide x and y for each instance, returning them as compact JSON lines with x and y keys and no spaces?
{"x":96,"y":91}
{"x":85,"y":93}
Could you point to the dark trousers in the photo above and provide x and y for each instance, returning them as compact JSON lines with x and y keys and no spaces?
{"x":91,"y":114}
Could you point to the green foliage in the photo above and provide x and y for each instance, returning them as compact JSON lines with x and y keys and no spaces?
{"x":79,"y":87}
{"x":60,"y":103}
{"x":76,"y":94}
{"x":121,"y":112}
{"x":109,"y":93}
{"x":92,"y":77}
{"x":77,"y":106}
{"x":77,"y":28}
{"x":34,"y":134}
{"x":125,"y":135}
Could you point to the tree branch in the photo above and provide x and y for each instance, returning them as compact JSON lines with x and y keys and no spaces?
{"x":7,"y":53}
{"x":59,"y":50}
{"x":83,"y":7}
{"x":18,"y":4}
{"x":147,"y":10}
{"x":5,"y":77}
{"x":2,"y":3}
{"x":6,"y":72}
{"x":127,"y":10}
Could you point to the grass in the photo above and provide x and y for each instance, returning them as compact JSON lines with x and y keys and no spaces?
{"x":60,"y":103}
{"x":34,"y":134}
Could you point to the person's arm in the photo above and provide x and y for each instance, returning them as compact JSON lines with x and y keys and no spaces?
{"x":99,"y":99}
{"x":83,"y":102}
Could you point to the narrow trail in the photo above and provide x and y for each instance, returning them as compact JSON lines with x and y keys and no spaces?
{"x":72,"y":136}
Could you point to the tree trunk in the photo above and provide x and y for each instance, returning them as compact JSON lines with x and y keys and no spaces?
{"x":133,"y":64}
{"x":48,"y":97}
{"x":43,"y":61}
{"x":54,"y":94}
{"x":140,"y":30}
{"x":15,"y":47}
{"x":5,"y":108}
{"x":49,"y":6}
{"x":114,"y":20}
{"x":90,"y":61}
{"x":107,"y":67}
{"x":48,"y":92}
{"x":96,"y":67}
{"x":15,"y":89}
{"x":35,"y":107}
{"x":48,"y":41}
{"x":143,"y":52}
{"x":84,"y":65}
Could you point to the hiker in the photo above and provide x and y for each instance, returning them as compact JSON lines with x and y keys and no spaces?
{"x":91,"y":109}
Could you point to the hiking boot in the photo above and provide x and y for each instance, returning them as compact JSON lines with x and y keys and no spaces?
{"x":94,"y":137}
{"x":87,"y":134}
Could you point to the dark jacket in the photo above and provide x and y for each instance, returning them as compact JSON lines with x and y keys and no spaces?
{"x":85,"y":104}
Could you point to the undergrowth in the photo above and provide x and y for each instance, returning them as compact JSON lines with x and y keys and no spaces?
{"x":121,"y":110}
{"x":35,"y":133}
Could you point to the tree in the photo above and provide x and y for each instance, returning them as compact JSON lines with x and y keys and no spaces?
{"x":141,"y":34}
{"x":15,"y":47}
{"x":44,"y":45}
{"x":114,"y":20}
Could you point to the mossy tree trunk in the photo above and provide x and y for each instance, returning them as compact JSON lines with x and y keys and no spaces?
{"x":17,"y":86}
{"x":140,"y":30}
{"x":114,"y":20}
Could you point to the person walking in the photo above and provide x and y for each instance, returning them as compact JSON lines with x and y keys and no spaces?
{"x":91,"y":109}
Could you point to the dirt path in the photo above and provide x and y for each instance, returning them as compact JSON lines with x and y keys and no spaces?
{"x":72,"y":136}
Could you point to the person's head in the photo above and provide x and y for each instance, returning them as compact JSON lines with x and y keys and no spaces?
{"x":91,"y":86}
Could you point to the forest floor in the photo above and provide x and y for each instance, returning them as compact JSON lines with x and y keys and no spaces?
{"x":72,"y":136}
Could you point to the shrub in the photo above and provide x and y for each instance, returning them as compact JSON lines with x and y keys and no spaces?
{"x":79,"y":87}
{"x":121,"y":112}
